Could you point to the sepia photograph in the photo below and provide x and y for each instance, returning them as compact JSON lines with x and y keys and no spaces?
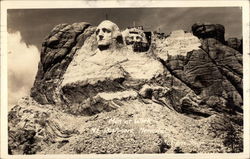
{"x":125,"y":80}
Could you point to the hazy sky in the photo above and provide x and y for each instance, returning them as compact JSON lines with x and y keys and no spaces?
{"x":28,"y":27}
{"x":35,"y":24}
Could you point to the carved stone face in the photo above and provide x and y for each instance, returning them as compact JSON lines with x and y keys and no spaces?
{"x":107,"y":33}
{"x":134,"y":36}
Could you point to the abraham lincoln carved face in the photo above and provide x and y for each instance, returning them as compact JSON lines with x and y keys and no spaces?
{"x":107,"y":33}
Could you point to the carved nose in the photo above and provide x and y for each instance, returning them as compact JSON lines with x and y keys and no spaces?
{"x":100,"y":37}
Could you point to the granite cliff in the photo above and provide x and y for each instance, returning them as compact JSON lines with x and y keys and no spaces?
{"x":183,"y":94}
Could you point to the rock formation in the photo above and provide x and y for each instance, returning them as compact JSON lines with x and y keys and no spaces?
{"x":57,"y":52}
{"x":235,"y":43}
{"x":210,"y":71}
{"x":208,"y":30}
{"x":178,"y":43}
{"x":93,"y":94}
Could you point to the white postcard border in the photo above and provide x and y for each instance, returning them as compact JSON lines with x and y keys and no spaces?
{"x":122,"y":4}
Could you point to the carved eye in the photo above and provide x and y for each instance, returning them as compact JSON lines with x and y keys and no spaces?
{"x":129,"y":38}
{"x":97,"y":31}
{"x":106,"y":30}
{"x":138,"y":38}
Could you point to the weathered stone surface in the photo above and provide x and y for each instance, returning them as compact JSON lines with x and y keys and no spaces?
{"x":137,"y":39}
{"x":33,"y":127}
{"x":178,"y":43}
{"x":108,"y":35}
{"x":57,"y":52}
{"x":208,"y":71}
{"x":208,"y":30}
{"x":214,"y":70}
{"x":136,"y":127}
{"x":103,"y":102}
{"x":119,"y":101}
{"x":108,"y":72}
{"x":235,"y":43}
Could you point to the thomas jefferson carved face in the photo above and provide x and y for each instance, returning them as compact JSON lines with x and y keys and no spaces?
{"x":134,"y":36}
{"x":106,"y":34}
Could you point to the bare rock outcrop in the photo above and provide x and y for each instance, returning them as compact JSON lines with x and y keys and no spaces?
{"x":93,"y":94}
{"x":213,"y":70}
{"x":109,"y":72}
{"x":235,"y":43}
{"x":208,"y":30}
{"x":57,"y":52}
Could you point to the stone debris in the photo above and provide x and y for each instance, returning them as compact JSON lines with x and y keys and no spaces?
{"x":94,"y":94}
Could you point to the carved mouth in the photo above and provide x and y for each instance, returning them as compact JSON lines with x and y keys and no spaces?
{"x":103,"y":40}
{"x":103,"y":47}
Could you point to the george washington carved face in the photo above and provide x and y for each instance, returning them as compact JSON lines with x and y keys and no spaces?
{"x":107,"y":33}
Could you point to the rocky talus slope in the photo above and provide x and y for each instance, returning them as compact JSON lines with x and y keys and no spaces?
{"x":117,"y":101}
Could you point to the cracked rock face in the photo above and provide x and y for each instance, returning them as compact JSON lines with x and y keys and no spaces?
{"x":57,"y":52}
{"x":208,"y":30}
{"x":235,"y":43}
{"x":107,"y":72}
{"x":178,"y":43}
{"x":72,"y":68}
{"x":91,"y":100}
{"x":213,"y":70}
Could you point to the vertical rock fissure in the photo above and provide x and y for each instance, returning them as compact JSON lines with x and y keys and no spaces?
{"x":44,"y":88}
{"x":223,"y":73}
{"x":195,"y":89}
{"x":71,"y":47}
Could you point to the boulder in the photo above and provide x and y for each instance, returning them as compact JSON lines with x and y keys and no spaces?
{"x":208,"y":30}
{"x":235,"y":43}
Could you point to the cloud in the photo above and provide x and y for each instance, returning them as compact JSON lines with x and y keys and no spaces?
{"x":35,"y":24}
{"x":22,"y":67}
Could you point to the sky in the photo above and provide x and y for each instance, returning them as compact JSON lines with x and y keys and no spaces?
{"x":28,"y":27}
{"x":35,"y":24}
